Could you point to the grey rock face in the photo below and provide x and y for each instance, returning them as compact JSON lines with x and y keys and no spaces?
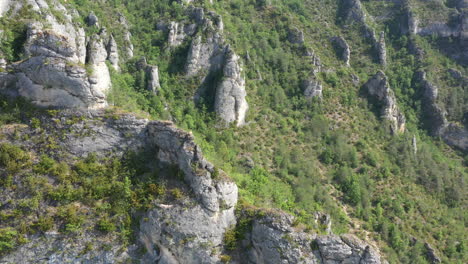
{"x":436,"y":115}
{"x":342,"y":47}
{"x":99,"y":77}
{"x":153,"y":79}
{"x":113,"y":53}
{"x":176,"y":34}
{"x":177,"y":147}
{"x":312,"y":88}
{"x":273,"y":238}
{"x":379,"y":89}
{"x":381,"y":49}
{"x":128,"y":46}
{"x":53,"y":73}
{"x":208,"y":56}
{"x":184,"y":234}
{"x":230,"y":102}
{"x":353,"y":11}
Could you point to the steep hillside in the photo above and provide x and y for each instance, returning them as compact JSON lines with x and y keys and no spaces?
{"x":332,"y":122}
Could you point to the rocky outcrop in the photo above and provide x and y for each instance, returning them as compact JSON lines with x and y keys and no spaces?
{"x":230,"y":102}
{"x":209,"y":57}
{"x":378,"y":88}
{"x":178,"y":32}
{"x":296,"y":36}
{"x":273,"y":238}
{"x":342,"y":49}
{"x":153,"y":79}
{"x":53,"y":72}
{"x":353,"y":11}
{"x":435,"y":117}
{"x":128,"y":46}
{"x":189,"y":229}
{"x":113,"y":53}
{"x":382,"y":50}
{"x":312,"y":88}
{"x":99,"y":77}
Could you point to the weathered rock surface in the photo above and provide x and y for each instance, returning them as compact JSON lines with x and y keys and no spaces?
{"x":273,"y":238}
{"x":312,"y":88}
{"x":379,"y":89}
{"x":436,"y":120}
{"x":212,"y":56}
{"x":53,"y":72}
{"x":187,"y":230}
{"x":153,"y":79}
{"x":342,"y":48}
{"x":382,"y":50}
{"x":230,"y":102}
{"x":128,"y":46}
{"x":113,"y":53}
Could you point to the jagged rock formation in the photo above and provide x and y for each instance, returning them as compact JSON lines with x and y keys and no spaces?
{"x":312,"y":88}
{"x":436,"y":116}
{"x":436,"y":120}
{"x":272,"y":238}
{"x":378,"y":88}
{"x":53,"y":72}
{"x":211,"y":56}
{"x":99,"y":77}
{"x":230,"y":103}
{"x":128,"y":46}
{"x":187,"y":230}
{"x":342,"y":48}
{"x":113,"y":53}
{"x":152,"y":75}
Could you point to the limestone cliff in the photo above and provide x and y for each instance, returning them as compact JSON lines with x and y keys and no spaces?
{"x":61,"y":66}
{"x":188,"y":230}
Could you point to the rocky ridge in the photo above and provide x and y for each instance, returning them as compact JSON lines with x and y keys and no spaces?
{"x":190,"y":229}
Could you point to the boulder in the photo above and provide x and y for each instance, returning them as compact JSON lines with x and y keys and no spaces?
{"x":296,"y":36}
{"x":379,"y":89}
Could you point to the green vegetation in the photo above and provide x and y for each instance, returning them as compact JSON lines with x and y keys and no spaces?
{"x":301,"y":156}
